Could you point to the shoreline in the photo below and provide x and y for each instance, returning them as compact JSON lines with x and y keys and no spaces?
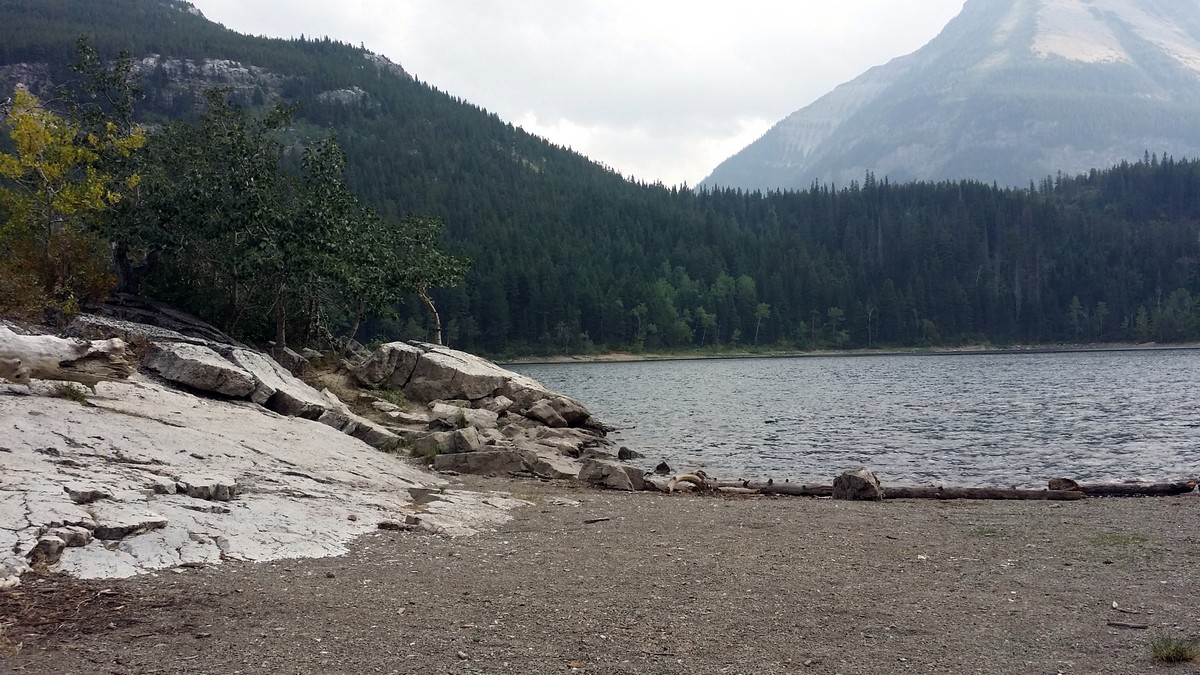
{"x":976,"y":350}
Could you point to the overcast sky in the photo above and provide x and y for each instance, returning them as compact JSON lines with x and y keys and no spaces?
{"x":657,"y":89}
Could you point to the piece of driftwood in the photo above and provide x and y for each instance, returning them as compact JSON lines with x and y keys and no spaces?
{"x":1127,"y":489}
{"x":699,"y":479}
{"x":978,"y":493}
{"x":772,"y":488}
{"x":46,"y":357}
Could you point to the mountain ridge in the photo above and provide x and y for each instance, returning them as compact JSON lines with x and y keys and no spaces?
{"x":1009,"y":91}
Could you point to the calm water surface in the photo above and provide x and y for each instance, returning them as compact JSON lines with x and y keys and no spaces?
{"x":998,"y":420}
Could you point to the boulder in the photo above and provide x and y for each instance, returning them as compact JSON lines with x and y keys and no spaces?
{"x":497,"y":404}
{"x":72,"y":536}
{"x":607,"y":474}
{"x":390,"y":365}
{"x":288,"y":358}
{"x":485,"y":463}
{"x":430,"y":444}
{"x":118,"y":523}
{"x":445,"y":374}
{"x":542,"y":411}
{"x":570,"y":410}
{"x":550,"y":465}
{"x":625,"y":454}
{"x":200,"y":368}
{"x":86,"y":493}
{"x":464,"y":440}
{"x":48,"y":549}
{"x":278,"y":390}
{"x":213,"y":488}
{"x":453,"y":417}
{"x":858,"y":484}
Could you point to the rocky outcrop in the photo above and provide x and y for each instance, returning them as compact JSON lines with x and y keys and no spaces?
{"x":858,"y":484}
{"x":469,"y":398}
{"x":148,"y":477}
{"x":199,"y":367}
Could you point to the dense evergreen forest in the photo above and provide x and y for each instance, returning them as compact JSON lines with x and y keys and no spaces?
{"x":569,"y":256}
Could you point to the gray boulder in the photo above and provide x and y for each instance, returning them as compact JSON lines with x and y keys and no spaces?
{"x":213,"y":488}
{"x":200,"y":368}
{"x":86,"y":493}
{"x":485,"y":463}
{"x":277,"y":389}
{"x":452,"y":416}
{"x":607,"y":474}
{"x":858,"y":484}
{"x":542,"y":411}
{"x":391,"y":364}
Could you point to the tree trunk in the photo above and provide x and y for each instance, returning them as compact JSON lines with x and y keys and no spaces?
{"x":45,"y":357}
{"x":790,"y":489}
{"x":437,"y":318}
{"x":281,"y":318}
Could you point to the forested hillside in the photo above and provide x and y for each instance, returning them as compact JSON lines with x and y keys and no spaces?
{"x":568,"y":256}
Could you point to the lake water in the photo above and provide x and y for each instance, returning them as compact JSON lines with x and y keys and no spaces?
{"x":969,"y":420}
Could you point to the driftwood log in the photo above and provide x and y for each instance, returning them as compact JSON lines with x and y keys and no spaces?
{"x":771,"y":488}
{"x":1058,"y":491}
{"x":46,"y":357}
{"x":1126,"y":489}
{"x":979,"y":493}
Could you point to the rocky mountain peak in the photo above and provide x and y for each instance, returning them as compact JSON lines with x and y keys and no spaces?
{"x":1010,"y":91}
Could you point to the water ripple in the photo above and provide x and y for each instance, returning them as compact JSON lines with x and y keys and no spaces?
{"x":990,"y":420}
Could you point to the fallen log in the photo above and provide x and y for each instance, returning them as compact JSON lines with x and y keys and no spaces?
{"x":789,"y":489}
{"x":979,"y":493}
{"x":46,"y":357}
{"x":1133,"y":489}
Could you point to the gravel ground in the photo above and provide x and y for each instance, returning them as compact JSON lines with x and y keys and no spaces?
{"x":667,"y":584}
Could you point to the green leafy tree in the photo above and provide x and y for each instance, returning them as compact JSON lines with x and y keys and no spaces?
{"x":52,"y":186}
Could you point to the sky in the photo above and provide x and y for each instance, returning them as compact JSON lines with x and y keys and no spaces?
{"x":659,"y":90}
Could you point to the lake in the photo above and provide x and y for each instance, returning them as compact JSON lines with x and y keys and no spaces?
{"x":963,"y":419}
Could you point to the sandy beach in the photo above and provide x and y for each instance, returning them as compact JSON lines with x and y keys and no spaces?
{"x":599,"y":582}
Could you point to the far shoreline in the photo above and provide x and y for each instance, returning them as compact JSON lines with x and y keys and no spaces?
{"x":970,"y":350}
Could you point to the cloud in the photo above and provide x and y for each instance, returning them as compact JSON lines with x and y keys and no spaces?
{"x":653,"y":88}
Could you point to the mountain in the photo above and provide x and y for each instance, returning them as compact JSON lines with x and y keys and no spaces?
{"x":1010,"y":91}
{"x":569,"y":257}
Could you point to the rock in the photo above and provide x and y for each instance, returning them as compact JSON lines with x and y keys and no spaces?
{"x":289,"y":359}
{"x":86,"y":493}
{"x":277,"y":389}
{"x":465,"y":440}
{"x":384,"y":406}
{"x":611,"y":475}
{"x":497,"y":404}
{"x":113,"y":524}
{"x":73,"y":536}
{"x":162,"y":485}
{"x":542,"y":411}
{"x":443,"y":373}
{"x":200,"y":368}
{"x":570,"y":410}
{"x":421,"y":496}
{"x":858,"y":484}
{"x":435,"y":443}
{"x":625,"y":454}
{"x":663,"y":469}
{"x":374,"y":435}
{"x":484,"y":463}
{"x":311,"y":354}
{"x":454,"y":417}
{"x":1063,"y":484}
{"x":409,"y":418}
{"x":556,"y":467}
{"x":391,"y":364}
{"x":212,"y":488}
{"x":48,"y":549}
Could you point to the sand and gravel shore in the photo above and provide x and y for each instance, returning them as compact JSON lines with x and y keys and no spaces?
{"x":662,"y":584}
